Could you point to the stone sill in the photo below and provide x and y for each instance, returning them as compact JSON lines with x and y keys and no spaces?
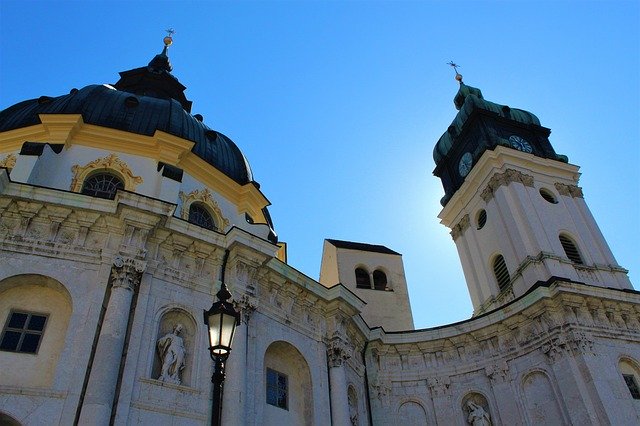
{"x":181,"y":388}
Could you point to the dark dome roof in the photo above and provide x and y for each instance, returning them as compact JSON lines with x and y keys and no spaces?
{"x":144,"y":100}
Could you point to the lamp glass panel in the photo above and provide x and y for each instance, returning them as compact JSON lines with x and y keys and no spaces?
{"x":228,"y":327}
{"x":214,"y":329}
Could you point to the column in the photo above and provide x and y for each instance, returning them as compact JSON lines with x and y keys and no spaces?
{"x":100,"y":393}
{"x":337,"y":354}
{"x":234,"y":397}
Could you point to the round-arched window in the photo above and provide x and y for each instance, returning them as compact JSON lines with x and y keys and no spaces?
{"x":199,"y":215}
{"x":570,"y":249}
{"x":501,"y":272}
{"x":362,"y":278}
{"x":102,"y":185}
{"x":482,"y":218}
{"x":379,"y":280}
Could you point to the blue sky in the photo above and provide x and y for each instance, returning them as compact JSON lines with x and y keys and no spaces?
{"x":338,"y":105}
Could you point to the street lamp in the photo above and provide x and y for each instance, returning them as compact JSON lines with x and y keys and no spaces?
{"x":221,"y":320}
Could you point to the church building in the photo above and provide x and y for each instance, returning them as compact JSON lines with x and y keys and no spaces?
{"x":122,"y":215}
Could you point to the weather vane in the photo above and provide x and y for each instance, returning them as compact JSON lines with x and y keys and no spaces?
{"x":455,"y":68}
{"x":168,"y":40}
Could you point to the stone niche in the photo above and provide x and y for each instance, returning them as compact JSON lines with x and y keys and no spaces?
{"x":166,"y":326}
{"x":475,"y":410}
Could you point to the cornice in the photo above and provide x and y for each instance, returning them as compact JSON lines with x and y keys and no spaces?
{"x":498,"y":161}
{"x":70,"y":130}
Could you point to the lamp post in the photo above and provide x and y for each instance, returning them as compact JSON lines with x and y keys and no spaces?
{"x":221,"y":320}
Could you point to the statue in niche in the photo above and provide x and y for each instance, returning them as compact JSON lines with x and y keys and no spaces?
{"x":353,"y":407}
{"x":477,"y":415}
{"x":172,"y":353}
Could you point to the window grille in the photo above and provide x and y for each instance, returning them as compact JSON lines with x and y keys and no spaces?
{"x":102,"y":185}
{"x":571,"y":250}
{"x":482,"y":218}
{"x":501,"y":272}
{"x":198,"y":215}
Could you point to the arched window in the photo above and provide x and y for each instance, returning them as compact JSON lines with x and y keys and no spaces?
{"x":362,"y":278}
{"x":198,"y":215}
{"x":630,"y":376}
{"x":570,"y":249}
{"x":102,"y":185}
{"x":482,"y":218}
{"x":501,"y":272}
{"x":379,"y":280}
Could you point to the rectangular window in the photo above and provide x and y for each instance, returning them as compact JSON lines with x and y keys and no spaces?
{"x":23,"y":332}
{"x":277,"y":389}
{"x":630,"y":380}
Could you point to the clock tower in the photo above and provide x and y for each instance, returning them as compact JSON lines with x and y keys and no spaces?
{"x":514,"y":207}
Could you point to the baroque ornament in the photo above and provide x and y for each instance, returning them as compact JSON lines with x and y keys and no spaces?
{"x":109,"y":163}
{"x":203,"y":196}
{"x":572,"y":191}
{"x":500,"y":179}
{"x":8,"y":162}
{"x":459,"y":229}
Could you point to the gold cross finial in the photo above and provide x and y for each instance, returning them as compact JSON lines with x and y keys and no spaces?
{"x":455,"y":68}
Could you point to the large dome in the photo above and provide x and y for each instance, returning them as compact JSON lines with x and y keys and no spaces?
{"x":143,"y":100}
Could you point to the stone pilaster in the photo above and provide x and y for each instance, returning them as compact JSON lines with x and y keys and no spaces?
{"x":338,"y":352}
{"x":124,"y":280}
{"x":234,"y":403}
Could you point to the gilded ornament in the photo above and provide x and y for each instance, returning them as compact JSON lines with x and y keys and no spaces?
{"x":110,"y":163}
{"x":205,"y":197}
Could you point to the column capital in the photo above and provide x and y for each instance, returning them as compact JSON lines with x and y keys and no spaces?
{"x":126,"y":272}
{"x":246,"y":305}
{"x":338,"y":351}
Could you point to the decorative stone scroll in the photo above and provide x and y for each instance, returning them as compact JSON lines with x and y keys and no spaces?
{"x":109,"y":163}
{"x":8,"y":162}
{"x":202,"y":196}
{"x":498,"y":373}
{"x":246,"y":305}
{"x":338,"y":351}
{"x":126,"y":272}
{"x":572,"y":191}
{"x":439,"y":385}
{"x":500,"y":179}
{"x":572,"y":343}
{"x":459,"y":229}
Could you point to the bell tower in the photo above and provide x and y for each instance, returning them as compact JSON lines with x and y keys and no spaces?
{"x":514,"y":207}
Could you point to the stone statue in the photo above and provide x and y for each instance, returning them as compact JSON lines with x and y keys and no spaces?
{"x":353,"y":409}
{"x":477,"y":416}
{"x":171,"y":351}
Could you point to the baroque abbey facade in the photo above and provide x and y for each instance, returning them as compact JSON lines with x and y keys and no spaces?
{"x":120,"y":213}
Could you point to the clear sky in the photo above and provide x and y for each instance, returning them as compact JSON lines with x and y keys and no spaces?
{"x":338,"y":105}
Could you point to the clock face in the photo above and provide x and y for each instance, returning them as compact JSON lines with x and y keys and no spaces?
{"x":464,"y":166}
{"x":520,"y":144}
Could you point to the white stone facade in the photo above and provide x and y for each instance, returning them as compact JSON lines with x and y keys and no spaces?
{"x":113,"y":277}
